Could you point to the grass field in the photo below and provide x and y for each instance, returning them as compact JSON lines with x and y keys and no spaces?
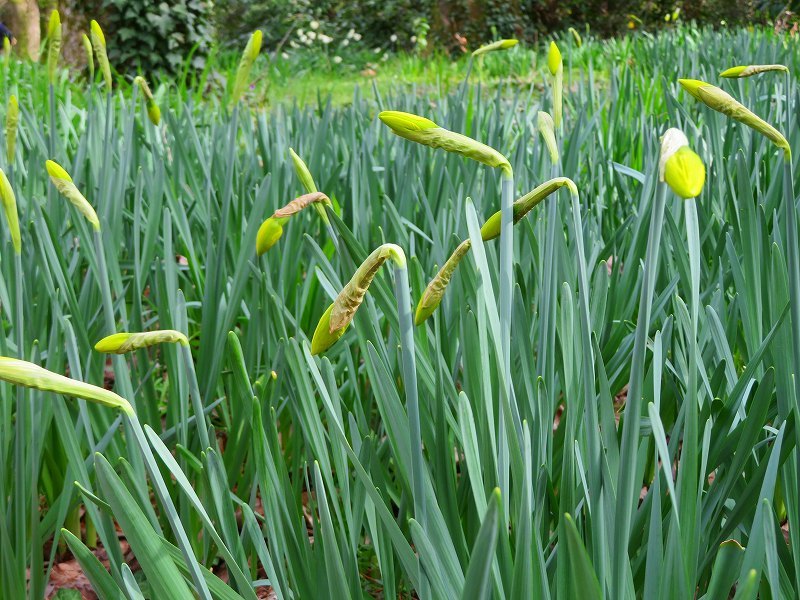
{"x":605,"y":407}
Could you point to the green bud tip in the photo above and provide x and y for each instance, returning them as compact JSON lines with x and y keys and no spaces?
{"x":323,"y":337}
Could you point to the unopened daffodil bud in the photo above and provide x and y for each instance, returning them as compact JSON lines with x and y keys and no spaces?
{"x":307,"y":181}
{"x":576,"y":37}
{"x":339,"y":315}
{"x":249,"y":56}
{"x":69,"y":190}
{"x":424,"y":131}
{"x":433,"y":294}
{"x":9,"y":201}
{"x":271,"y":230}
{"x":26,"y":374}
{"x":498,"y":45}
{"x":87,"y":48}
{"x":679,"y":166}
{"x":554,"y":60}
{"x":53,"y":44}
{"x":153,"y":112}
{"x":122,"y":343}
{"x":547,"y":128}
{"x":556,"y":68}
{"x":723,"y":102}
{"x":750,"y":70}
{"x":12,"y":124}
{"x":99,"y":45}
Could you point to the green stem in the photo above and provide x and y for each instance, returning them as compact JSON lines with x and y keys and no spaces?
{"x":160,"y":488}
{"x":626,"y":484}
{"x":194,"y":392}
{"x":21,"y":439}
{"x":506,"y":294}
{"x":403,"y":295}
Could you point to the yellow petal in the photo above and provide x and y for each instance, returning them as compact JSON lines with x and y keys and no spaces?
{"x":685,"y":173}
{"x":269,"y":233}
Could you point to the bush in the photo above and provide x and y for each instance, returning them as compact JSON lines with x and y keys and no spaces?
{"x":154,"y":35}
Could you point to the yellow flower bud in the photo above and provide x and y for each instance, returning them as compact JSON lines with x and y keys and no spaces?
{"x":67,"y":188}
{"x":9,"y":201}
{"x":498,"y":45}
{"x":556,"y":67}
{"x":245,"y":64}
{"x":153,"y":112}
{"x":53,"y":44}
{"x":424,"y":131}
{"x":554,"y":61}
{"x":99,"y":45}
{"x":20,"y":372}
{"x":721,"y":101}
{"x":122,"y":343}
{"x":269,"y":233}
{"x":750,"y":70}
{"x":12,"y":123}
{"x":679,"y":166}
{"x":433,"y":294}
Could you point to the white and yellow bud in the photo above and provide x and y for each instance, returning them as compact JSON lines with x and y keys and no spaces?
{"x":12,"y":124}
{"x":249,"y":56}
{"x":87,"y":48}
{"x":122,"y":343}
{"x":424,"y":131}
{"x":679,"y":166}
{"x":53,"y":44}
{"x":494,"y":46}
{"x":723,"y":102}
{"x":26,"y":374}
{"x":340,"y":314}
{"x":99,"y":45}
{"x":547,"y":129}
{"x":750,"y":70}
{"x":69,"y":190}
{"x":153,"y":112}
{"x":9,"y":201}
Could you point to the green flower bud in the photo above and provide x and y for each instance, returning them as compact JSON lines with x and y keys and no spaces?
{"x":99,"y":45}
{"x":87,"y":48}
{"x":498,"y":45}
{"x":548,"y":130}
{"x":323,"y":337}
{"x":6,"y":51}
{"x":153,"y":112}
{"x":122,"y":343}
{"x":721,"y":101}
{"x":272,"y":229}
{"x":426,"y":132}
{"x":750,"y":70}
{"x":433,"y":294}
{"x":303,"y":174}
{"x":269,"y":233}
{"x":67,"y":188}
{"x":9,"y":201}
{"x":576,"y":36}
{"x":53,"y":44}
{"x":12,"y":123}
{"x":20,"y":372}
{"x":245,"y":64}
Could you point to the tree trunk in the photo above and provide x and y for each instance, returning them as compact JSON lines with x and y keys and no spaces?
{"x":23,"y":20}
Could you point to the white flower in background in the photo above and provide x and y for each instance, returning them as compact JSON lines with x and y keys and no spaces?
{"x":284,"y":56}
{"x":337,"y":59}
{"x":325,"y":39}
{"x":301,"y":32}
{"x":312,"y":35}
{"x":314,"y":25}
{"x":357,"y":37}
{"x":345,"y":43}
{"x":351,"y":34}
{"x":293,"y":44}
{"x":393,"y":38}
{"x":376,"y":50}
{"x":385,"y":57}
{"x":413,"y":39}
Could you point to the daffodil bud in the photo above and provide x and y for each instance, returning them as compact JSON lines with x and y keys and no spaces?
{"x":491,"y":228}
{"x":26,"y":374}
{"x":433,"y":294}
{"x":750,"y":70}
{"x":498,"y":45}
{"x":67,"y":188}
{"x":12,"y":123}
{"x":272,"y":229}
{"x":153,"y":112}
{"x":9,"y":201}
{"x":87,"y":48}
{"x":426,"y":132}
{"x":548,"y":130}
{"x":303,"y":174}
{"x":53,"y":44}
{"x":99,"y":45}
{"x":245,"y":64}
{"x":556,"y":67}
{"x":721,"y":101}
{"x":340,"y":314}
{"x":122,"y":343}
{"x":679,"y":166}
{"x":6,"y":51}
{"x":576,"y":36}
{"x":269,"y":233}
{"x":323,"y":337}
